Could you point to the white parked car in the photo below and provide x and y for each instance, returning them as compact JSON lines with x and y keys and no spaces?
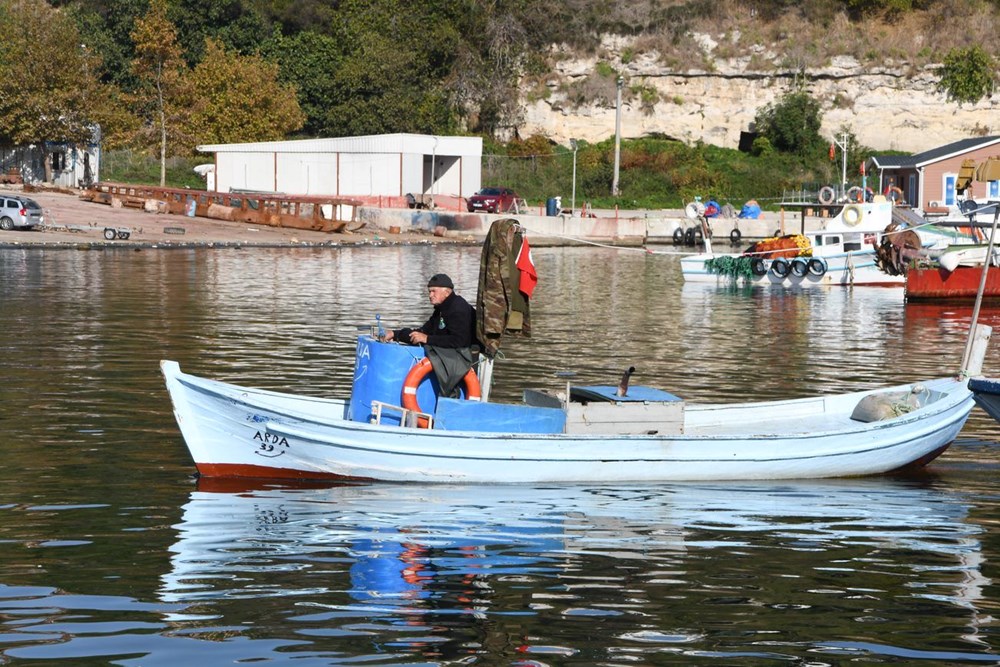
{"x":19,"y":212}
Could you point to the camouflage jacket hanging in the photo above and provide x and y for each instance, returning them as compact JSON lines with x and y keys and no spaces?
{"x":501,"y":308}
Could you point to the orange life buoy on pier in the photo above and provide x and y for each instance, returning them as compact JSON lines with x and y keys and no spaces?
{"x":473,"y":392}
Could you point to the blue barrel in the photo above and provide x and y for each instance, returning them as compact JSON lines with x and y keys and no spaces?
{"x":551,"y":206}
{"x":379,"y":371}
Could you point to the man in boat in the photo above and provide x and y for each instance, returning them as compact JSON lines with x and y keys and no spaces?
{"x":447,"y":337}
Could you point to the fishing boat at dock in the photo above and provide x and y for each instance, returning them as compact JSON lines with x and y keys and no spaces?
{"x":955,"y":274}
{"x":844,"y":252}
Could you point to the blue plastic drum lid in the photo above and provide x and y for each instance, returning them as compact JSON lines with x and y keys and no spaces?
{"x":379,"y":372}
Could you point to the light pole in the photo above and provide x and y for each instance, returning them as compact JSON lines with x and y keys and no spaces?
{"x":618,"y":135}
{"x":433,"y":167}
{"x":572,"y":202}
{"x":842,"y":143}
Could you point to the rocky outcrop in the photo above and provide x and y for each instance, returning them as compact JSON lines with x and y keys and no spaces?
{"x":887,"y":108}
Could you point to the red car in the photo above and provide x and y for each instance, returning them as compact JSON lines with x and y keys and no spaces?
{"x":493,"y":200}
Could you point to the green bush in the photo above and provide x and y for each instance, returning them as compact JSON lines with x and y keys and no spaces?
{"x":792,"y":123}
{"x":967,"y":75}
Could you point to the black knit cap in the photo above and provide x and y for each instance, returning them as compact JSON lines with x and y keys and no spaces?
{"x":440,"y":280}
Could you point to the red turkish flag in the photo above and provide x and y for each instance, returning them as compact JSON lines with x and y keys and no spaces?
{"x":529,"y":277}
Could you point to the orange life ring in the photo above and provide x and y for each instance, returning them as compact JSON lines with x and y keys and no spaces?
{"x":473,"y":392}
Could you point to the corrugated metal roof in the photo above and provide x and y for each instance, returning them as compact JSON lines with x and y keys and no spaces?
{"x":935,"y":154}
{"x":423,"y":144}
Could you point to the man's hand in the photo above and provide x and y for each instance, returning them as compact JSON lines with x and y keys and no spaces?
{"x":418,"y":338}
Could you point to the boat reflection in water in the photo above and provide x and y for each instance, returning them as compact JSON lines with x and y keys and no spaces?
{"x":453,"y":571}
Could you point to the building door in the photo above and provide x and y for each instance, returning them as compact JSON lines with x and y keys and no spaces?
{"x":948,"y":189}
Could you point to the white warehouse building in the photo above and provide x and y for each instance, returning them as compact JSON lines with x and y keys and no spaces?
{"x":370,"y":166}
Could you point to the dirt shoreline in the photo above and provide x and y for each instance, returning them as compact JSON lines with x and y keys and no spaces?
{"x":74,"y":223}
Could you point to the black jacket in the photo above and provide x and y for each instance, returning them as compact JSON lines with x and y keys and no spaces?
{"x":452,"y":324}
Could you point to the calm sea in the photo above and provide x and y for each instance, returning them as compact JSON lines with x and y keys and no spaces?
{"x":113,"y":553}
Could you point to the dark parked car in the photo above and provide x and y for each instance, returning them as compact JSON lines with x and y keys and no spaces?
{"x":494,"y":200}
{"x":19,"y":212}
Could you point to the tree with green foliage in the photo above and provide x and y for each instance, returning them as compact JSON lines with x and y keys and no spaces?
{"x":106,"y":28}
{"x":239,"y":99}
{"x":487,"y":71}
{"x":160,"y":69}
{"x":239,"y":25}
{"x":391,"y":76}
{"x":792,"y":123}
{"x":50,"y":91}
{"x":968,"y":74}
{"x":309,"y":61}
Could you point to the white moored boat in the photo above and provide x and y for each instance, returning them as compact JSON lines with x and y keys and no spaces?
{"x":842,"y":253}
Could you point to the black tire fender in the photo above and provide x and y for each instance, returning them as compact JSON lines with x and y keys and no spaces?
{"x":817,"y":266}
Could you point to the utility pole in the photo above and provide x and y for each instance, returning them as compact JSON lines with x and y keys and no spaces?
{"x":572,"y":202}
{"x":618,"y":136}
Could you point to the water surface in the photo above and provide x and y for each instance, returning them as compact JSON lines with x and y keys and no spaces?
{"x":113,"y":553}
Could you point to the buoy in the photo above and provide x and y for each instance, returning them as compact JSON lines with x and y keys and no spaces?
{"x":852,"y":215}
{"x":473,"y":392}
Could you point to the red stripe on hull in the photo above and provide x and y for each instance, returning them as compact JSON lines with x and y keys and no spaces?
{"x":267,"y":472}
{"x":961,"y":283}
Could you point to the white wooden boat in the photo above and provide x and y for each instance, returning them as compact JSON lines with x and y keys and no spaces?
{"x":591,"y":435}
{"x":842,"y":253}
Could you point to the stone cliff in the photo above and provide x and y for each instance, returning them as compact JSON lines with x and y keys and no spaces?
{"x":887,"y":108}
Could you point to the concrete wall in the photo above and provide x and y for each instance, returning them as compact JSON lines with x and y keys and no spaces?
{"x":655,"y":227}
